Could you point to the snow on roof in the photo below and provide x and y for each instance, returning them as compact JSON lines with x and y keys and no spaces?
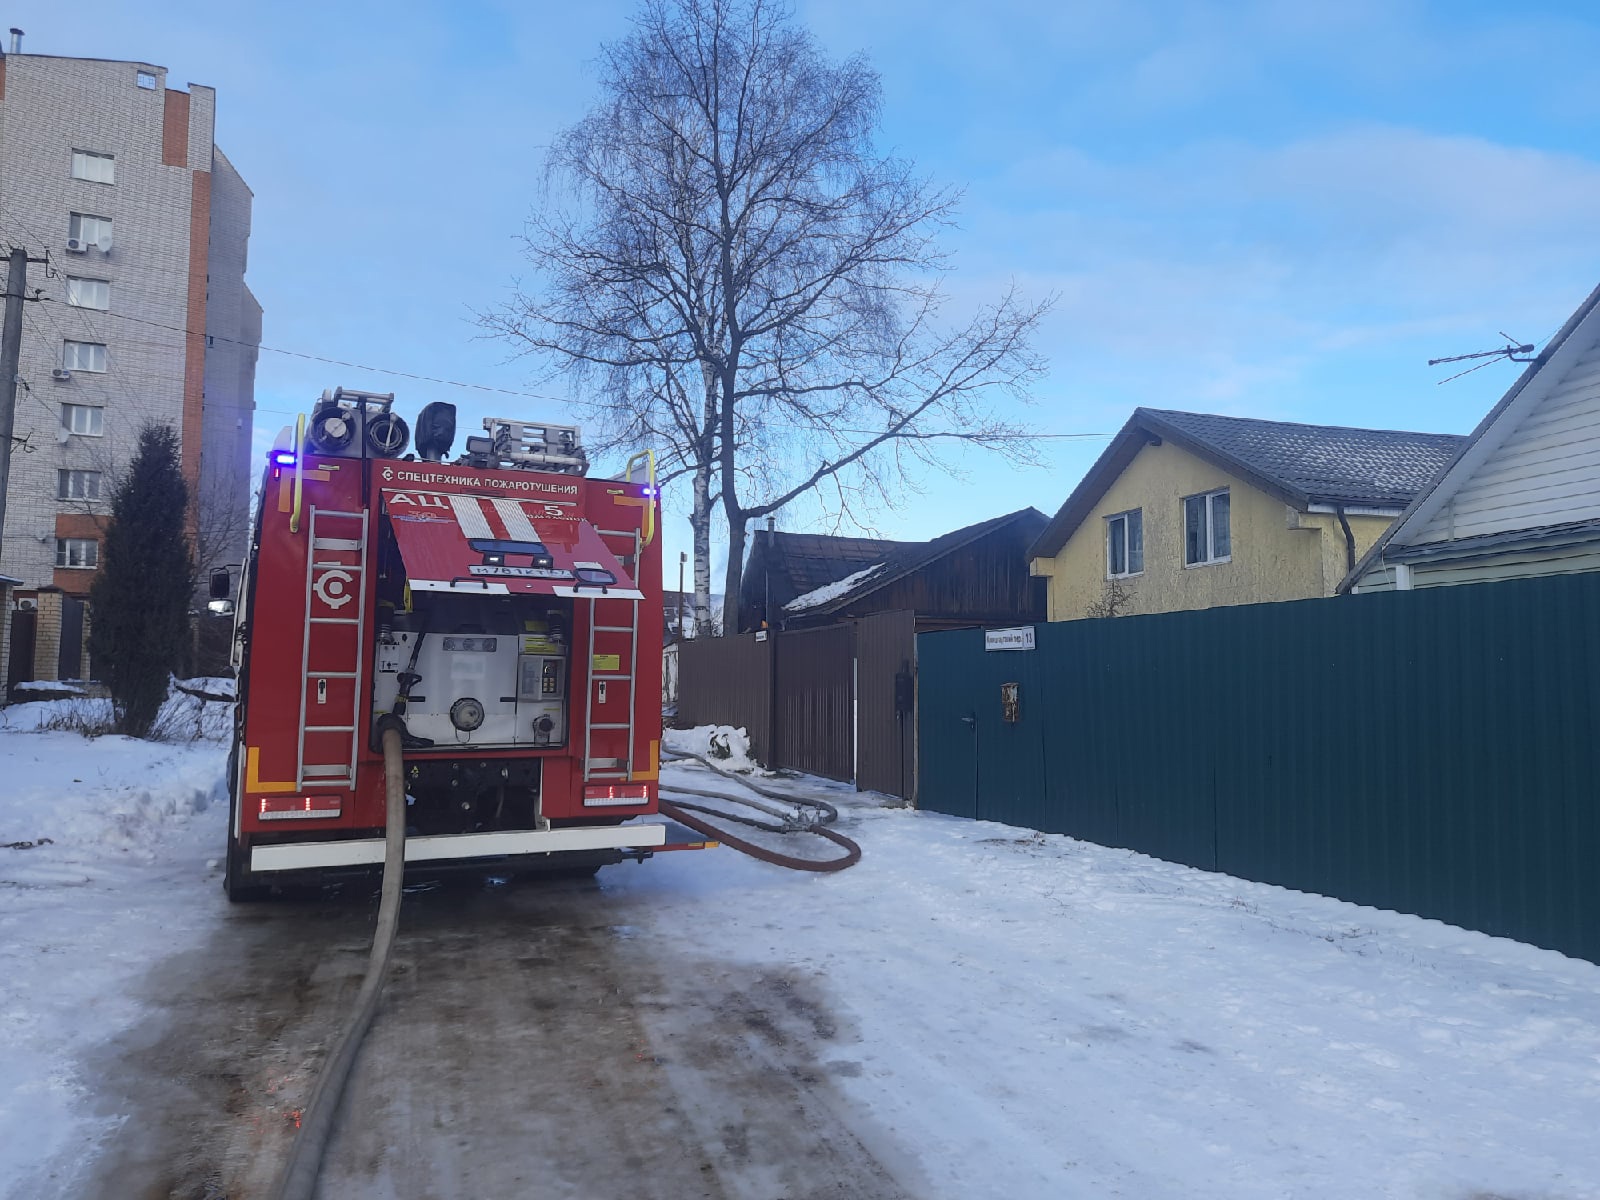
{"x":832,"y":591}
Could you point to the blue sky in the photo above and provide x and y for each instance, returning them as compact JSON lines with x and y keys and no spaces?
{"x":1275,"y":209}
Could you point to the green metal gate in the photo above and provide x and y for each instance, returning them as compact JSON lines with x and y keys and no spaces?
{"x":1433,"y":752}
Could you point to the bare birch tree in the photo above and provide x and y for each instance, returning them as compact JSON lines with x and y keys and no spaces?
{"x":733,"y":271}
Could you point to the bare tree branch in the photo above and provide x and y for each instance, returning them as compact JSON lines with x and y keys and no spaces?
{"x":732,"y":273}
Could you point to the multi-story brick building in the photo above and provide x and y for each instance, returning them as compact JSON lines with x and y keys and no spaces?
{"x":146,"y":315}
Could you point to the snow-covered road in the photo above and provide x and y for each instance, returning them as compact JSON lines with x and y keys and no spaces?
{"x":972,"y":1011}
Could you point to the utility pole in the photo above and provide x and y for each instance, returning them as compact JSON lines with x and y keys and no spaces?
{"x":10,"y":358}
{"x":10,"y":352}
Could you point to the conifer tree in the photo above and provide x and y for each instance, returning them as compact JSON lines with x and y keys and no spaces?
{"x":142,"y":594}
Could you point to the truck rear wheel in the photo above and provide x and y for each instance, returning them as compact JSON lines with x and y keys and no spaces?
{"x":238,"y":883}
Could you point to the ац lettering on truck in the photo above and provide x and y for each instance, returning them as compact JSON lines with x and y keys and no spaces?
{"x":505,"y":606}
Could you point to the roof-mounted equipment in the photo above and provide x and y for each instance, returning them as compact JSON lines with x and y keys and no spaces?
{"x":528,"y":445}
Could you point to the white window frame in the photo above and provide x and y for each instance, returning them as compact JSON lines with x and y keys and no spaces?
{"x":76,"y":225}
{"x":78,"y":294}
{"x":87,"y":550}
{"x":1210,"y":531}
{"x":73,"y":484}
{"x":145,"y":79}
{"x":1122,"y":520}
{"x":94,"y":166}
{"x":93,"y":414}
{"x":75,"y":354}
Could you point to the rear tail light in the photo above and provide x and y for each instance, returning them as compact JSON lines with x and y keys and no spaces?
{"x":615,"y":794}
{"x":281,"y":808}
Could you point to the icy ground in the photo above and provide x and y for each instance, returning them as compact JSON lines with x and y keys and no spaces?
{"x":1024,"y":1016}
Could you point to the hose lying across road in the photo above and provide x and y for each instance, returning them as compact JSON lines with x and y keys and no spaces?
{"x":791,"y":822}
{"x":299,"y":1178}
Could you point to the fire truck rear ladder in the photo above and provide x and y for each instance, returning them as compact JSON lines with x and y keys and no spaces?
{"x":333,"y":774}
{"x":614,"y":768}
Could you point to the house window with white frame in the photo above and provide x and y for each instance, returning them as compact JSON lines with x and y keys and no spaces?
{"x":1125,"y":544}
{"x":1207,"y":537}
{"x":93,"y":166}
{"x":83,"y":356}
{"x":77,"y":485}
{"x":89,"y":229}
{"x":88,"y":293}
{"x":145,"y":79}
{"x":83,"y":553}
{"x":84,"y":419}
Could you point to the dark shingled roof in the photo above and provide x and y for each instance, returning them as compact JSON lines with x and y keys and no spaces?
{"x":1301,"y":465}
{"x":1327,"y":464}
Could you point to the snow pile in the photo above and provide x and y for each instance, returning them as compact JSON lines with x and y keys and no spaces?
{"x":727,"y":747}
{"x":832,"y":591}
{"x":90,"y":796}
{"x":107,"y":847}
{"x":183,"y":718}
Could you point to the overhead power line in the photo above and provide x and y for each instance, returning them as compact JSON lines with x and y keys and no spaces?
{"x":480,"y":387}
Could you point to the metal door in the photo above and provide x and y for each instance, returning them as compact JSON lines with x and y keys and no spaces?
{"x":69,"y":664}
{"x":19,"y":668}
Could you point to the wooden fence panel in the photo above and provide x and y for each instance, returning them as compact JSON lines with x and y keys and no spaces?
{"x":728,"y":681}
{"x":886,"y":734}
{"x":814,"y":726}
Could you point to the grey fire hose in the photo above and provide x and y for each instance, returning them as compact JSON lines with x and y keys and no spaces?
{"x":299,"y":1178}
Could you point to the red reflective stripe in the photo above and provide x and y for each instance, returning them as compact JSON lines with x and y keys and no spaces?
{"x":288,"y":807}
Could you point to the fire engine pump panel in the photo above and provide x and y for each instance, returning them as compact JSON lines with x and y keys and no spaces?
{"x":480,"y":671}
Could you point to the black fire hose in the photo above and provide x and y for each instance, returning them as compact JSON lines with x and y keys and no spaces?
{"x":684,"y":813}
{"x":299,"y":1178}
{"x":851,"y":856}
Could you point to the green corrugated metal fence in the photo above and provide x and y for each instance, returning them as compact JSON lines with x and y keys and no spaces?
{"x":1433,"y":752}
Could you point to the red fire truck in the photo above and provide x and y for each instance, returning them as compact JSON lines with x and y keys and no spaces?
{"x":504,"y":606}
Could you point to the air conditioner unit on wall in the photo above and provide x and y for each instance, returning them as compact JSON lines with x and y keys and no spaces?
{"x":77,"y":245}
{"x":60,"y":374}
{"x":27,"y":604}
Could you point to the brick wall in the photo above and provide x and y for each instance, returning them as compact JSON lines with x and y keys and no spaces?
{"x":160,"y":205}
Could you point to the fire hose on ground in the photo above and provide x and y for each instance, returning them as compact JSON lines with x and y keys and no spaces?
{"x":685,"y":813}
{"x":299,"y":1178}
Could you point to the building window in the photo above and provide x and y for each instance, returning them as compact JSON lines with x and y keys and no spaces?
{"x":77,"y":552}
{"x":93,"y":166}
{"x":83,"y":356}
{"x":83,"y":419}
{"x":1206,"y":536}
{"x":78,"y":485}
{"x":90,"y":230}
{"x":88,"y":293}
{"x":1125,"y":544}
{"x":146,"y":80}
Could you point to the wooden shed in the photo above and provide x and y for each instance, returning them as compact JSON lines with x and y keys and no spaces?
{"x":823,"y":674}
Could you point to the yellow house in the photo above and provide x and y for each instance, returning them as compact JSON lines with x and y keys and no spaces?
{"x":1188,"y":510}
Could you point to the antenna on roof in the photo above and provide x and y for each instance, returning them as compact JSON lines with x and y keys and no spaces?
{"x":1510,"y":352}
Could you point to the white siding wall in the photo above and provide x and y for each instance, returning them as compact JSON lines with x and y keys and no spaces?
{"x":1523,"y":564}
{"x":1547,"y":472}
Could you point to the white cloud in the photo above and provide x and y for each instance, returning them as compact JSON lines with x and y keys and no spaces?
{"x":1232,"y":275}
